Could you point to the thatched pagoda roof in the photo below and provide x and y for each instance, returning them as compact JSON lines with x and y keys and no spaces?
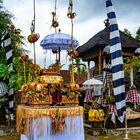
{"x":89,"y":50}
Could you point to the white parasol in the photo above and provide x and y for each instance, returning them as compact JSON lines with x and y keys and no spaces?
{"x":89,"y":84}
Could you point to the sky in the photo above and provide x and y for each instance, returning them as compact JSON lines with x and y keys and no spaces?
{"x":90,"y":15}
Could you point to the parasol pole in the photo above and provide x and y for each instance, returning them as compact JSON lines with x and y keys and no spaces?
{"x":55,"y":24}
{"x":34,"y":31}
{"x":55,"y":27}
{"x":45,"y":58}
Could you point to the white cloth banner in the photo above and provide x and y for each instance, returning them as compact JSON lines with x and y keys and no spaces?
{"x":73,"y":131}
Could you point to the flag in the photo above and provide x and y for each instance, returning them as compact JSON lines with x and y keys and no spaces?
{"x":6,"y":43}
{"x":116,"y":62}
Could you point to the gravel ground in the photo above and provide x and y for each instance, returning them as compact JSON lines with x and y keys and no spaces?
{"x":131,"y":136}
{"x":118,"y":134}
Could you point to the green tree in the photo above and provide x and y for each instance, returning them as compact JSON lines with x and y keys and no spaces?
{"x":127,"y":32}
{"x":5,"y":22}
{"x":79,"y":67}
{"x":138,"y":34}
{"x":6,"y":18}
{"x":135,"y":60}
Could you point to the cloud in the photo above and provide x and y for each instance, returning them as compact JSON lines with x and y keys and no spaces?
{"x":89,"y":20}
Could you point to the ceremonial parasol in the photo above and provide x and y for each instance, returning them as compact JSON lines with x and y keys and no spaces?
{"x":89,"y":84}
{"x":57,"y":42}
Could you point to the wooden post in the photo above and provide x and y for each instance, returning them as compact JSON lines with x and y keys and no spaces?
{"x":131,"y":75}
{"x":100,"y":61}
{"x":88,"y":74}
{"x":104,"y":72}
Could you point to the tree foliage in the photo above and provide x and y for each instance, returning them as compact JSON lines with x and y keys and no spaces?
{"x":135,"y":60}
{"x":5,"y":18}
{"x":79,"y":67}
{"x":127,"y":32}
{"x":138,"y":34}
{"x":6,"y":75}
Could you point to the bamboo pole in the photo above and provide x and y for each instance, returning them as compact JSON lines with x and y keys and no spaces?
{"x":55,"y":12}
{"x":34,"y":30}
{"x":24,"y":69}
{"x":71,"y":47}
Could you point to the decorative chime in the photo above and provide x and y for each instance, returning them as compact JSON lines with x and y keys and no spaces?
{"x":72,"y":53}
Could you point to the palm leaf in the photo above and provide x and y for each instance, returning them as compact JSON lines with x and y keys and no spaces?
{"x":4,"y":71}
{"x":14,"y":82}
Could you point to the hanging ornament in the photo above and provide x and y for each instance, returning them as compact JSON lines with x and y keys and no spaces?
{"x":33,"y":37}
{"x":72,"y":53}
{"x":23,"y":57}
{"x":54,"y":20}
{"x":70,"y":13}
{"x":74,"y":87}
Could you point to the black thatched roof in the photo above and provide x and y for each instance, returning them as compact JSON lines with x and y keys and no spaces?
{"x":101,"y":40}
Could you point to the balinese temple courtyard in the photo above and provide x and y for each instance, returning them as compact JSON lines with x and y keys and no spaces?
{"x":69,"y":73}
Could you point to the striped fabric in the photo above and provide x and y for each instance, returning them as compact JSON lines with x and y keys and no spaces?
{"x":116,"y":62}
{"x":6,"y":41}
